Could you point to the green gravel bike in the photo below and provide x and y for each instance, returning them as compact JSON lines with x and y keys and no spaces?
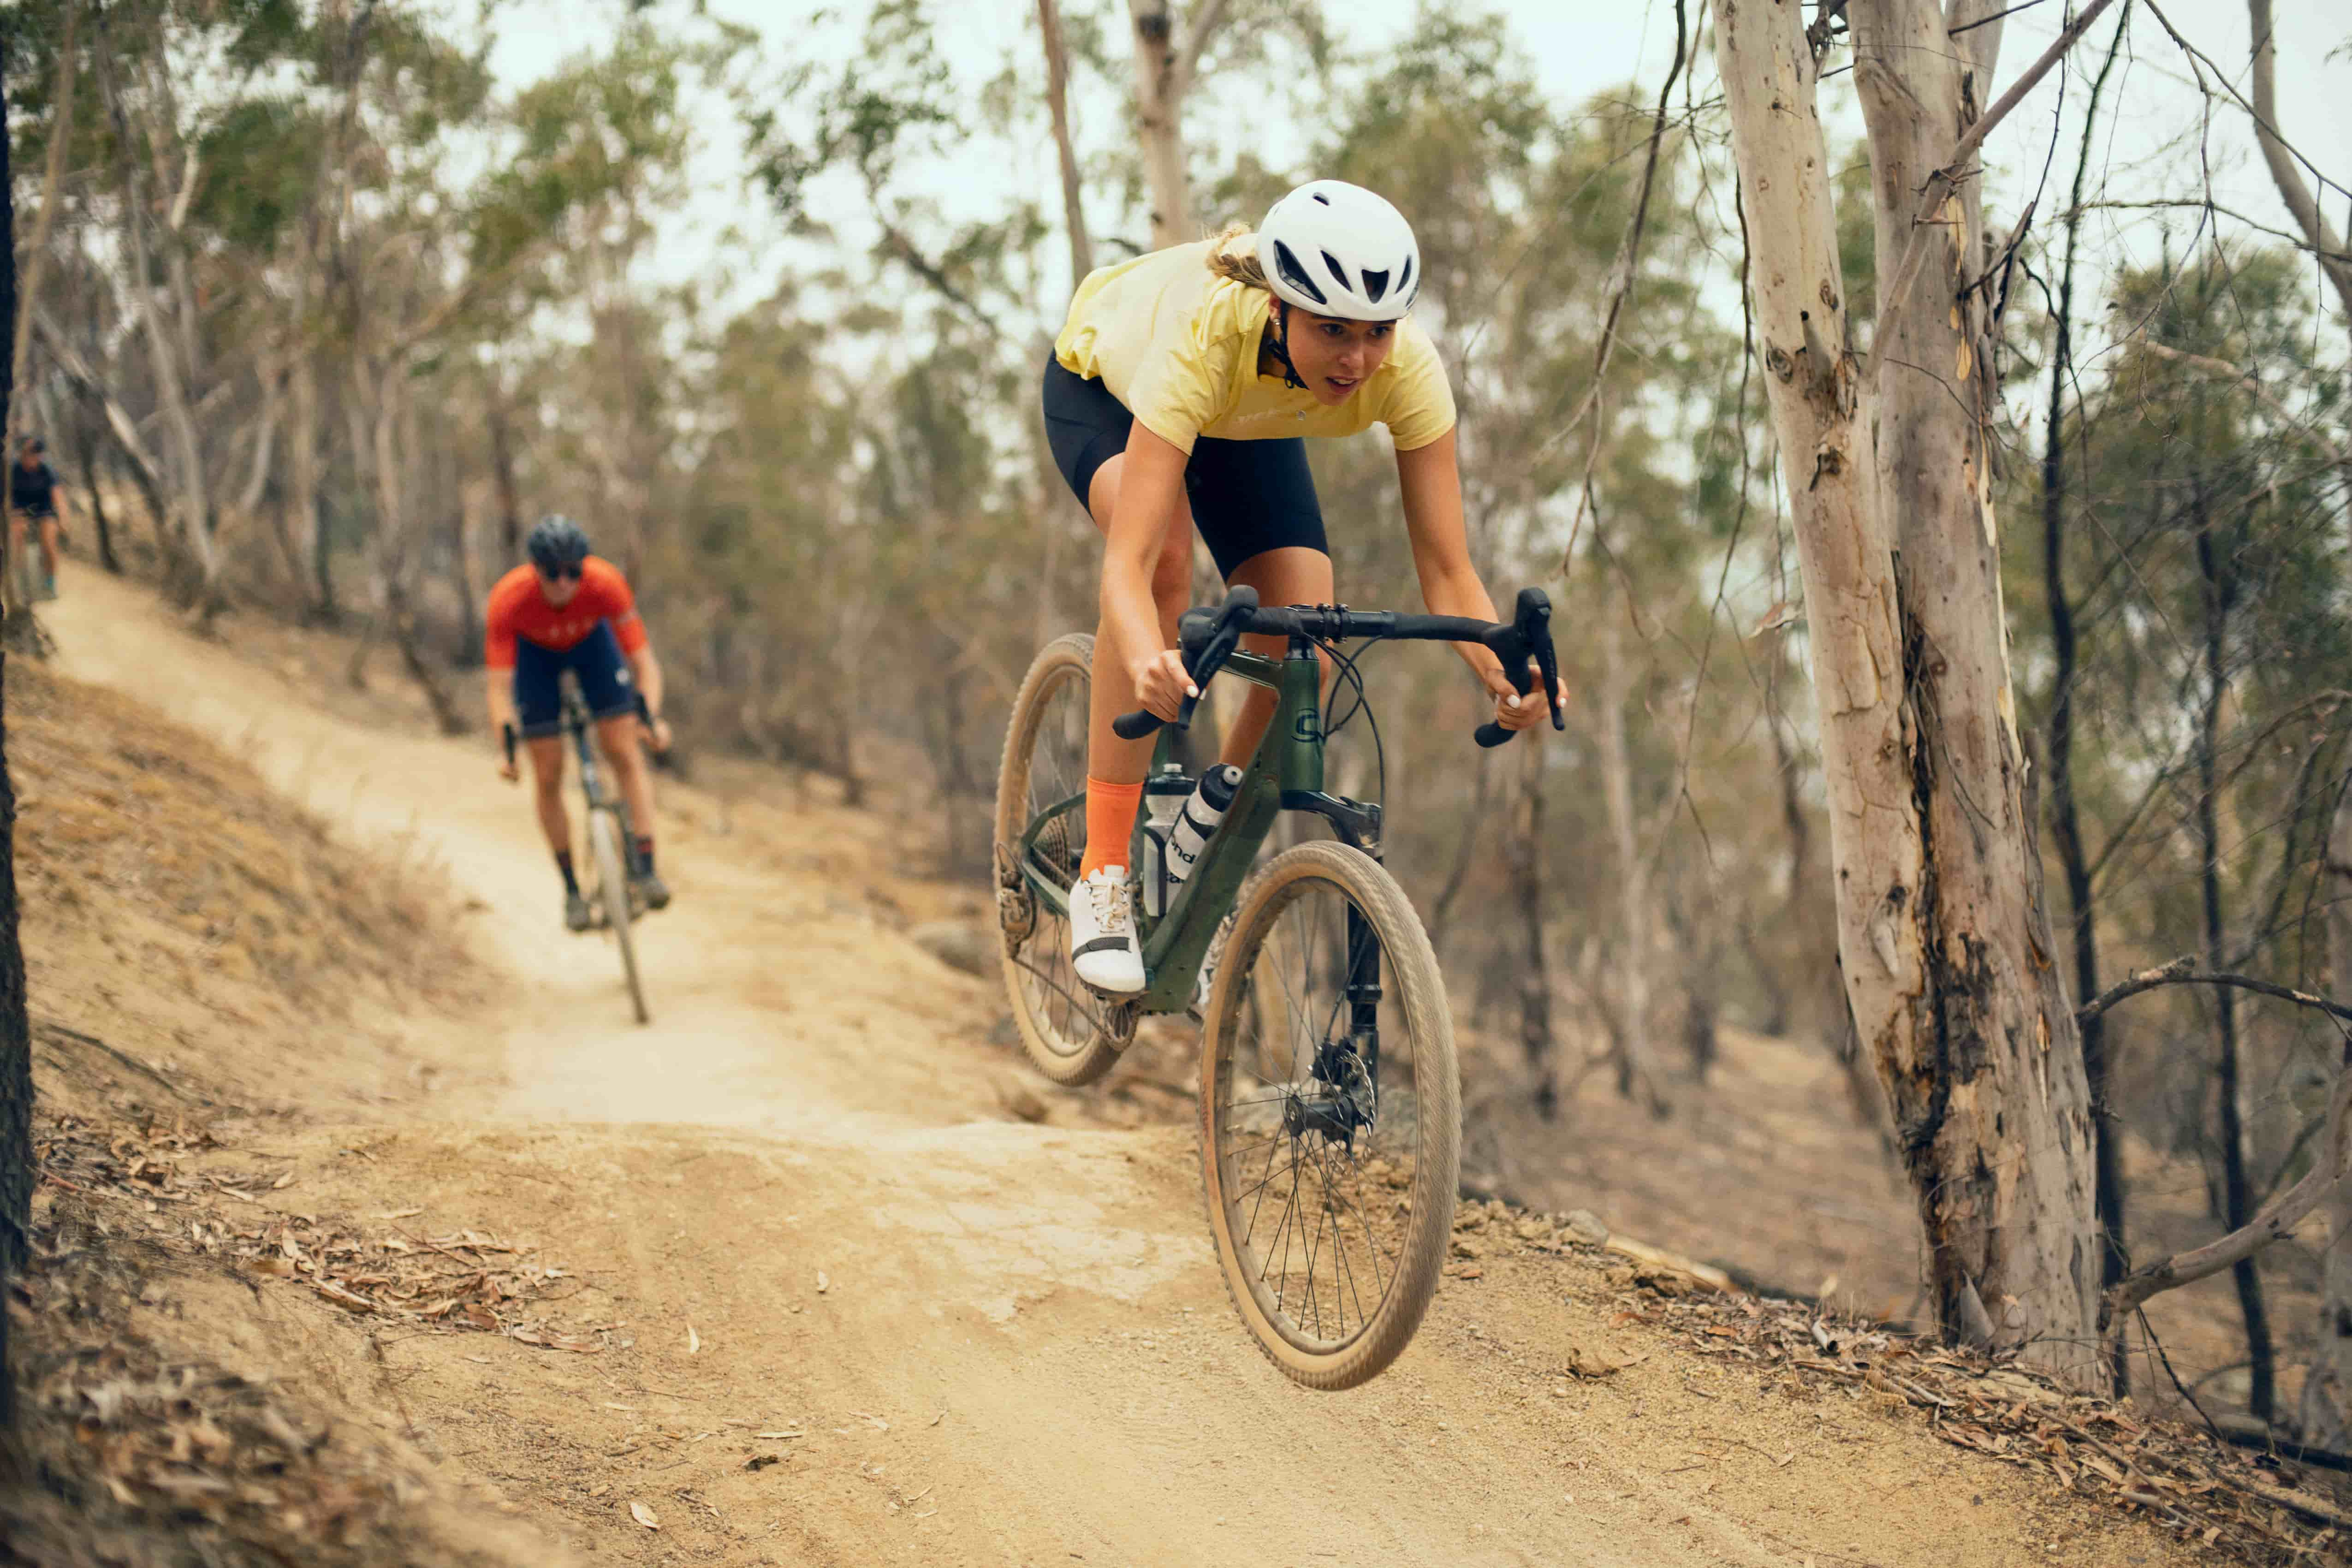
{"x":1330,"y":1115}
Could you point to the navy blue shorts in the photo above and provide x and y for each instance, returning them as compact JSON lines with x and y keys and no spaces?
{"x":595,"y":660}
{"x":1248,"y":497}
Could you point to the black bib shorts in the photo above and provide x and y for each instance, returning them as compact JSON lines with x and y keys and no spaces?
{"x":1248,"y":497}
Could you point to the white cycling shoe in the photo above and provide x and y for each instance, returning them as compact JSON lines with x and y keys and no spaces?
{"x":1103,"y":948}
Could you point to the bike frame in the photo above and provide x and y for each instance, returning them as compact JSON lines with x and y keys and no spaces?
{"x":577,"y":724}
{"x":1285,"y":774}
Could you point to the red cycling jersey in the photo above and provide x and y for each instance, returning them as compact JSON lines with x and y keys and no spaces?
{"x":518,"y":609}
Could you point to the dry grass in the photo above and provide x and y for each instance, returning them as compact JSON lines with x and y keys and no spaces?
{"x":123,"y":813}
{"x":176,"y":911}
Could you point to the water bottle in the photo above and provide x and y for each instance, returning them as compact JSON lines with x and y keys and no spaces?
{"x":1197,"y":820}
{"x":1164,"y":796}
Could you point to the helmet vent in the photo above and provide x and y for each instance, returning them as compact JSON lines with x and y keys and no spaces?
{"x":1286,"y":263}
{"x":1324,"y":199}
{"x":1337,"y":271}
{"x":1404,"y":279}
{"x":1375,"y":285}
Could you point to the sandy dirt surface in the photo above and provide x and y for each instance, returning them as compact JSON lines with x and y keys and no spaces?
{"x":809,"y":1235}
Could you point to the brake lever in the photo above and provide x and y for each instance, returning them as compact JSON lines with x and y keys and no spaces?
{"x":1529,"y":636}
{"x":1223,"y":639}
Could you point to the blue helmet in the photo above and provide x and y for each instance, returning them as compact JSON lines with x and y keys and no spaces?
{"x":557,"y":543}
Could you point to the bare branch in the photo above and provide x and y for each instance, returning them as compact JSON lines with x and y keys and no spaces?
{"x":2275,"y":152}
{"x":1205,"y":27}
{"x":2252,"y":382}
{"x":2208,"y":204}
{"x":1628,"y":262}
{"x":1945,"y":180}
{"x":118,"y":419}
{"x":2182,"y":970}
{"x":2276,"y":1220}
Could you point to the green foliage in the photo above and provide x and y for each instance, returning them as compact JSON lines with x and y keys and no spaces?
{"x":261,"y":161}
{"x":889,"y":103}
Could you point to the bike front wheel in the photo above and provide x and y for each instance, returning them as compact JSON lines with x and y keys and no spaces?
{"x":1071,"y":1034}
{"x":613,"y":892}
{"x":1330,"y":1116}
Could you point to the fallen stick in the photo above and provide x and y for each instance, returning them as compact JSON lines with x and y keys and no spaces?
{"x":1659,"y":1257}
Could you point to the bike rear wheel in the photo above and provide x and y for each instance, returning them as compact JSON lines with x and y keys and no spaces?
{"x":1072,"y":1034}
{"x":613,"y":892}
{"x":1330,"y":1154}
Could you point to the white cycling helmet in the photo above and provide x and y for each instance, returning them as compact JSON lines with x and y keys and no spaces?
{"x":1337,"y":249}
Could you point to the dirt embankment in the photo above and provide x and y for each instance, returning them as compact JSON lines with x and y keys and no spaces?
{"x":803,"y":1273}
{"x":208,"y":968}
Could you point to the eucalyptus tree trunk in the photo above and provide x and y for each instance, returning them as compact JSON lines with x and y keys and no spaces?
{"x":1636,"y":1074}
{"x":2326,"y":1407}
{"x":2065,"y":819}
{"x":2219,"y":580}
{"x":1523,"y":854}
{"x":192,"y":501}
{"x":308,"y":530}
{"x":2326,"y":1413}
{"x":1167,"y":62}
{"x":60,"y":131}
{"x":321,"y":230}
{"x":1940,"y":927}
{"x":1158,"y":118}
{"x":1057,"y":105}
{"x":16,"y":1029}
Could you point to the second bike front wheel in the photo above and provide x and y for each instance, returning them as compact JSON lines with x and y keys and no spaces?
{"x":612,"y":889}
{"x":1330,"y":1115}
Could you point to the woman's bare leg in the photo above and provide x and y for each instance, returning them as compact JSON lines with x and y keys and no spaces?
{"x":1108,"y":758}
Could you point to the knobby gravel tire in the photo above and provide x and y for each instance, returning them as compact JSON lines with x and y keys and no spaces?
{"x":1061,"y":1022}
{"x":612,"y":889}
{"x":1412,"y":981}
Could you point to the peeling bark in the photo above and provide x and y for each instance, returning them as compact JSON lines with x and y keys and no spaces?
{"x":1941,"y":924}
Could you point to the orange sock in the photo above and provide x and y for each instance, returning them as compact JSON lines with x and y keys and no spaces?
{"x":1111,"y":823}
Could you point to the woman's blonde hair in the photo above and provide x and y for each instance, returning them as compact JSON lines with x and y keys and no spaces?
{"x":1233,"y":253}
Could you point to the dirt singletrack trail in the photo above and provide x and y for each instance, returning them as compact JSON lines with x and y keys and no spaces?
{"x":982,"y":1341}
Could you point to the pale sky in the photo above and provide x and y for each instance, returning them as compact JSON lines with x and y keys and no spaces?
{"x":1576,"y":49}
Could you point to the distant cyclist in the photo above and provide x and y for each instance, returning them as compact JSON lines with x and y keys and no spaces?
{"x":34,"y":496}
{"x":1179,"y":396}
{"x":570,"y":610}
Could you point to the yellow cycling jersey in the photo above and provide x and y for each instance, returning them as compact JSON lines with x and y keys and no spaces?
{"x":1178,"y":345}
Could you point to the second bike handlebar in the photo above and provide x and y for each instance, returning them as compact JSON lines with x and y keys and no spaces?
{"x":1210,"y":637}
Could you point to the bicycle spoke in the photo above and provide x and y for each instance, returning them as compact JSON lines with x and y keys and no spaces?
{"x":1325,"y":1222}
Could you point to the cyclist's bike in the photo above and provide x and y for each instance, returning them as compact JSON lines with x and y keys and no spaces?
{"x":612,"y":894}
{"x":1330,"y":1103}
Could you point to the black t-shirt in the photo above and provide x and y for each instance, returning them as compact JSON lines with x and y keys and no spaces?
{"x":29,"y":489}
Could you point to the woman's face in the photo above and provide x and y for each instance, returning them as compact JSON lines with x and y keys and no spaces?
{"x":1334,"y":357}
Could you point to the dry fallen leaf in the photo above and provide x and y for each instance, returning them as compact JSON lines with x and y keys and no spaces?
{"x":693,"y":1341}
{"x":644,"y":1516}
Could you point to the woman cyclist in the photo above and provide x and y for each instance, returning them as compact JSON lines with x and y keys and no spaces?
{"x":1179,"y":396}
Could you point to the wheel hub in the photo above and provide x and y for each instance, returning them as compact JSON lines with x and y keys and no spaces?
{"x":1338,"y":1101}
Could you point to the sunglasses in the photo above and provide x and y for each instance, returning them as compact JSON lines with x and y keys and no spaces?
{"x":560,"y":575}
